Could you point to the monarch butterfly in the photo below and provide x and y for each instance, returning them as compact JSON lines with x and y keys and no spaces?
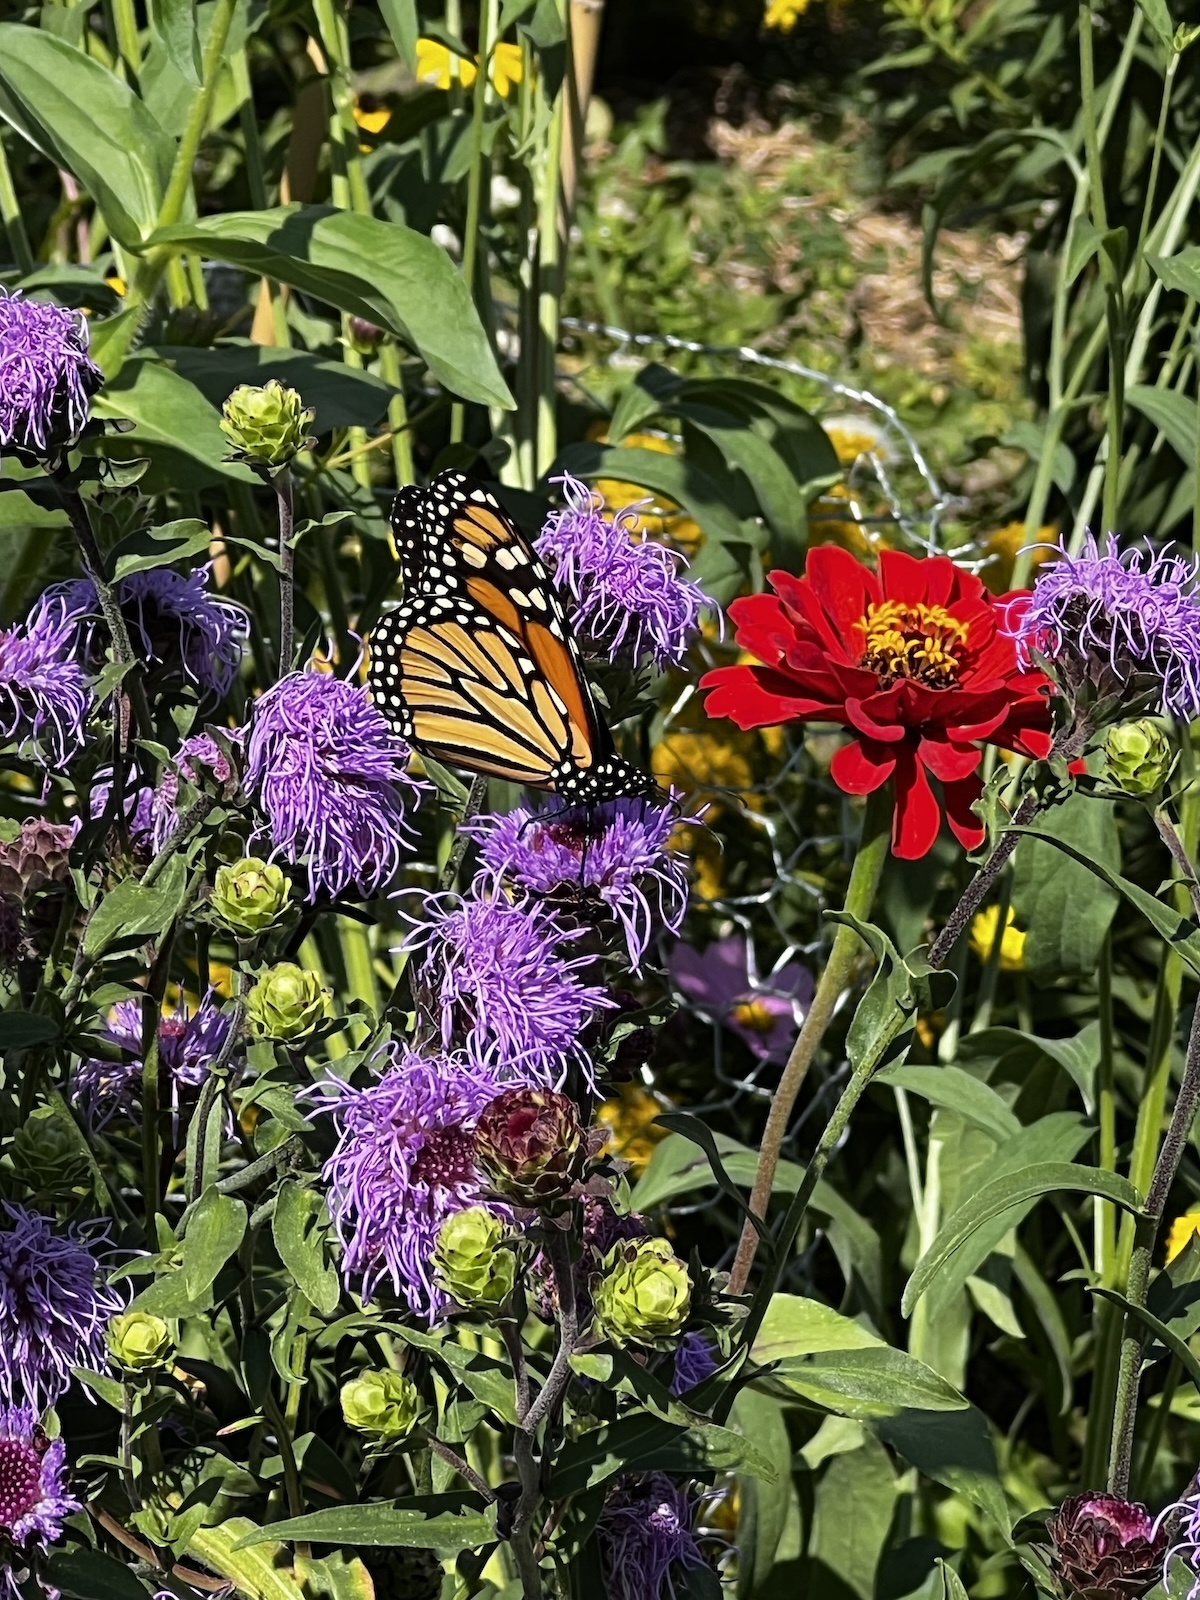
{"x":478,"y":667}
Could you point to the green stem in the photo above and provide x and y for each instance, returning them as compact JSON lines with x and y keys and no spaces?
{"x":287,"y":571}
{"x":487,"y":28}
{"x":392,"y":372}
{"x":1106,"y":1216}
{"x":549,"y":274}
{"x":125,"y":25}
{"x":836,"y":978}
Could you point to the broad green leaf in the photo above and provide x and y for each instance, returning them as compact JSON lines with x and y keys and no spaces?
{"x":299,"y":1226}
{"x":795,"y":1326}
{"x":215,"y":1229}
{"x":343,"y":397}
{"x":745,"y":450}
{"x":1002,"y":1195}
{"x":158,"y":547}
{"x":91,"y":1575}
{"x":379,"y":270}
{"x":169,"y":1296}
{"x":953,"y":1448}
{"x":404,"y":28}
{"x":1173,"y":414}
{"x":1078,"y":1057}
{"x":133,"y":910}
{"x":87,"y":120}
{"x":854,"y":1501}
{"x":19,"y":1030}
{"x":763,"y":1506}
{"x":1175,"y":1293}
{"x":486,"y":1378}
{"x":433,"y":1522}
{"x":1159,"y":18}
{"x":647,"y":1443}
{"x":871,"y":1382}
{"x":261,"y":1573}
{"x":678,"y":1167}
{"x":173,"y":23}
{"x":957,"y":1091}
{"x":1180,"y":271}
{"x":1065,"y":909}
{"x":173,"y":424}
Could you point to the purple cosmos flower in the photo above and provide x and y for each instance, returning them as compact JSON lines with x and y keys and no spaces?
{"x":53,"y":1309}
{"x":1118,"y":616}
{"x":330,"y":774}
{"x":765,"y":1012}
{"x":403,"y":1164}
{"x":645,"y":1532}
{"x":615,"y":859}
{"x":506,"y":988}
{"x":188,"y":1043}
{"x":696,"y":1358}
{"x":34,"y":1500}
{"x":45,"y":695}
{"x":174,"y":621}
{"x":630,"y":601}
{"x":47,"y":378}
{"x":195,"y":756}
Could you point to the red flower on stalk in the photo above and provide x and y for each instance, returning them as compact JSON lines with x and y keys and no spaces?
{"x":911,"y":662}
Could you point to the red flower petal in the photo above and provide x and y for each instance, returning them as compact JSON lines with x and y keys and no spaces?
{"x":860,"y":767}
{"x":876,"y":716}
{"x":949,"y":762}
{"x":844,"y":588}
{"x":918,"y":817}
{"x":964,"y":824}
{"x":759,"y":697}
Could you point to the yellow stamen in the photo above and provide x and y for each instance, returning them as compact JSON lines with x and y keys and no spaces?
{"x":753,"y":1014}
{"x":919,"y":641}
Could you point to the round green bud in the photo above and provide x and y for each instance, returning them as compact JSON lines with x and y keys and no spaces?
{"x":138,"y":1341}
{"x":286,"y":1003}
{"x":249,"y":896}
{"x":474,"y":1263}
{"x":266,"y":426}
{"x":645,"y":1293}
{"x":46,"y":1156}
{"x":386,"y":1405}
{"x":1138,"y":757}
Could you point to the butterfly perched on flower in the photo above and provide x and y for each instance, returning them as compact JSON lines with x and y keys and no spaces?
{"x":478,"y":667}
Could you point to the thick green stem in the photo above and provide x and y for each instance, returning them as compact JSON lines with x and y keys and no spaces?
{"x":287,"y":571}
{"x":836,"y":978}
{"x":487,"y":29}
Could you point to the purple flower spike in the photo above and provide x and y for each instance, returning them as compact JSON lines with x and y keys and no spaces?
{"x":765,"y":1012}
{"x":34,"y":1501}
{"x":1128,"y":614}
{"x":45,"y":695}
{"x":53,"y":1308}
{"x":404,"y":1162}
{"x":630,"y":601}
{"x":47,"y":378}
{"x":506,"y":989}
{"x":330,"y":775}
{"x":645,"y":1532}
{"x":616,"y":859}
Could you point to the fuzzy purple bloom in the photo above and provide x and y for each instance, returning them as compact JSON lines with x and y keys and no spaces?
{"x":330,"y":775}
{"x":765,"y":1012}
{"x":53,"y":1306}
{"x":201,"y":753}
{"x":646,"y":1532}
{"x":615,"y":859}
{"x":45,"y":694}
{"x":696,"y":1358}
{"x":629,"y":599}
{"x":34,"y":1499}
{"x":1133,"y":614}
{"x":174,"y":622}
{"x":188,"y":1043}
{"x":47,"y":378}
{"x":404,"y":1162}
{"x":505,"y":986}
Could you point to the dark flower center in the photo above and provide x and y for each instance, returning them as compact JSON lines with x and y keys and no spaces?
{"x":446,"y":1159}
{"x":920,"y":642}
{"x":20,"y":1481}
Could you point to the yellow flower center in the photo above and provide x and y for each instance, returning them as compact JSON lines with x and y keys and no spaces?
{"x":753,"y":1014}
{"x":920,"y":642}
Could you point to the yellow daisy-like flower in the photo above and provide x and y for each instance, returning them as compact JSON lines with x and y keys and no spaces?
{"x":371,"y":119}
{"x":783,"y":15}
{"x":116,"y":283}
{"x":1005,"y":545}
{"x":1182,"y":1230}
{"x":508,"y":67}
{"x":437,"y":65}
{"x":630,"y":1117}
{"x":1012,"y":943}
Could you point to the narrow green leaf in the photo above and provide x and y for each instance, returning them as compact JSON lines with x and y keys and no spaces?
{"x":215,"y":1229}
{"x":957,"y":1090}
{"x":158,"y":547}
{"x":91,"y":1575}
{"x":1175,"y":416}
{"x":1178,"y":1347}
{"x":404,"y":27}
{"x":173,"y":23}
{"x":131,"y":910}
{"x":795,"y":1326}
{"x":427,"y":1523}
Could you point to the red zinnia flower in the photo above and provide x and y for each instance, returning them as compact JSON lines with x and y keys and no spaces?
{"x":912,"y":663}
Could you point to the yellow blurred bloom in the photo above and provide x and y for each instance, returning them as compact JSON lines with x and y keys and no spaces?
{"x":853,"y":437}
{"x":372,"y":119}
{"x":833,"y":519}
{"x":1005,"y":545}
{"x":507,"y":67}
{"x":630,"y":1117}
{"x":666,"y":521}
{"x":784,"y":14}
{"x":437,"y":65}
{"x":1012,"y":943}
{"x":1182,"y":1230}
{"x":116,"y":283}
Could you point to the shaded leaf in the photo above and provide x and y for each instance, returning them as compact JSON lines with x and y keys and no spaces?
{"x":432,"y":1522}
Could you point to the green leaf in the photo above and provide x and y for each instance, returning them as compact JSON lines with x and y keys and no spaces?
{"x":957,"y":1090}
{"x":647,"y":1443}
{"x":158,"y":547}
{"x":1178,"y":1347}
{"x":1002,"y":1195}
{"x":173,"y":424}
{"x":487,"y":1379}
{"x":1173,"y":414}
{"x":953,"y":1448}
{"x":215,"y":1229}
{"x":91,"y":1575}
{"x":1159,"y":18}
{"x":379,"y":270}
{"x":425,"y":1523}
{"x":131,"y":910}
{"x":343,"y":397}
{"x":763,"y":1506}
{"x":173,"y":23}
{"x":19,"y":1030}
{"x":871,"y":1382}
{"x":85,"y":119}
{"x":1180,"y":271}
{"x":299,"y":1226}
{"x":404,"y":27}
{"x":853,"y":1505}
{"x":258,"y":1574}
{"x":795,"y":1326}
{"x":1065,"y":910}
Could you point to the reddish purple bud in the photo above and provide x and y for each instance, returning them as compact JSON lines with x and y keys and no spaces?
{"x":1103,"y":1548}
{"x":530,"y":1144}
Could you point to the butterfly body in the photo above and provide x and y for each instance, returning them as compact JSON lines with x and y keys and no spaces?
{"x":478,"y":667}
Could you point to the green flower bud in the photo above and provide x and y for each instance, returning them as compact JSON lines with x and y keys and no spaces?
{"x":138,"y":1341}
{"x":1138,"y":757}
{"x":266,"y":426}
{"x":473,"y":1263}
{"x":249,"y":896}
{"x":46,"y":1156}
{"x":386,"y":1405}
{"x":645,"y":1293}
{"x":286,"y":1003}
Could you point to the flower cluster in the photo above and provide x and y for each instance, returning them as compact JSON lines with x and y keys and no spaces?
{"x":646,"y":1537}
{"x":34,"y":1498}
{"x":47,"y":377}
{"x":45,"y":694}
{"x":188,"y":1044}
{"x":195,"y":756}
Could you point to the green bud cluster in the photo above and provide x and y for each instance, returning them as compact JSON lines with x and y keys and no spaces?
{"x":138,"y":1341}
{"x":473,"y":1260}
{"x":644,"y":1295}
{"x":249,"y":896}
{"x":286,"y":1003}
{"x":385,"y":1405}
{"x":1138,"y":757}
{"x":267,"y":426}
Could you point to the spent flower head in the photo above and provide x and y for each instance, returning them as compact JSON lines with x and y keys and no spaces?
{"x":646,"y":1538}
{"x":37,"y":856}
{"x":1104,"y":1548}
{"x":47,"y":377}
{"x":34,"y":1498}
{"x":45,"y":694}
{"x":530,"y":1144}
{"x":630,"y":601}
{"x":331,"y":779}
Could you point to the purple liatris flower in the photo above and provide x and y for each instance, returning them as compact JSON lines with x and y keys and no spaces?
{"x":53,"y":1306}
{"x":174,"y":621}
{"x":765,"y":1012}
{"x":47,"y":378}
{"x":404,"y":1163}
{"x":34,"y":1500}
{"x":331,"y":777}
{"x":138,"y":805}
{"x":645,"y":1537}
{"x":616,"y":859}
{"x":629,"y":599}
{"x":45,"y":694}
{"x":1126,"y":622}
{"x":188,"y":1044}
{"x":696,"y":1358}
{"x":504,"y":984}
{"x":195,"y":756}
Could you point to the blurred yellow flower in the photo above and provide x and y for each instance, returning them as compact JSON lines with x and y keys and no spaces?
{"x":1182,"y":1229}
{"x":373,"y":118}
{"x":508,"y":67}
{"x":116,"y":283}
{"x":852,"y":437}
{"x":833,"y":519}
{"x":630,"y":1117}
{"x":1012,"y":943}
{"x":666,"y":521}
{"x":436,"y":65}
{"x":784,"y":14}
{"x":1005,"y":545}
